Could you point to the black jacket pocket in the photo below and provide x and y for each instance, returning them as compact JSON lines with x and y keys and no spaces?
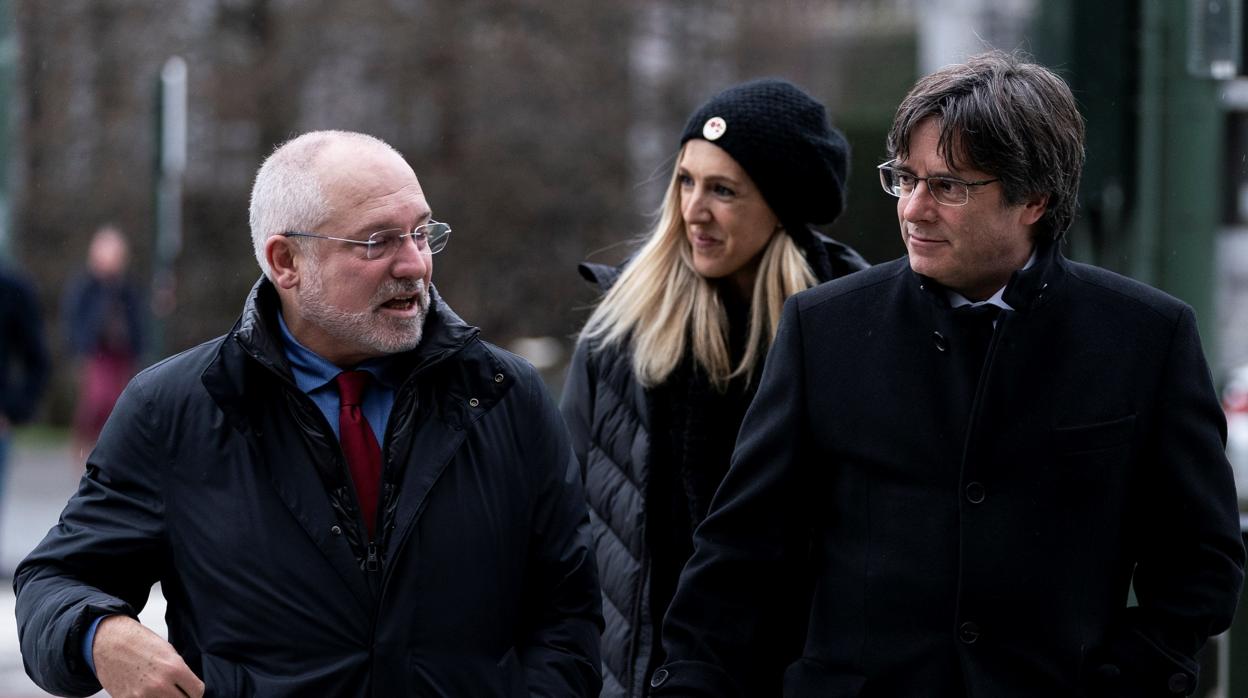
{"x":1090,"y":438}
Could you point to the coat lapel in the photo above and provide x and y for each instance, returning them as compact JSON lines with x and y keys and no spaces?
{"x":281,"y":454}
{"x":430,"y":452}
{"x":284,"y":455}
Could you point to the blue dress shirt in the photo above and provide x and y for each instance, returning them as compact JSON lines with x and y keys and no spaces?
{"x":315,"y":377}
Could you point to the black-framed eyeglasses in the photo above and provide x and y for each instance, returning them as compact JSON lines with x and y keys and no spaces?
{"x":430,"y":238}
{"x":949,"y":191}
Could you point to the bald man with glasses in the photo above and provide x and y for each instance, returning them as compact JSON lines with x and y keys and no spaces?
{"x":349,"y":494}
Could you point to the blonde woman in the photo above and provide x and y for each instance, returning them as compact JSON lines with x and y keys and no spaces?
{"x":669,"y":360}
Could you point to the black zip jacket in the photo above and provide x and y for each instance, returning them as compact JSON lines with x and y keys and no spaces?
{"x":219,"y":478}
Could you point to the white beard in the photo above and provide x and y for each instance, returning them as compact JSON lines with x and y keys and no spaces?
{"x":371,"y":331}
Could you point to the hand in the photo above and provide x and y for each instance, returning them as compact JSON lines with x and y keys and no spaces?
{"x":134,"y":662}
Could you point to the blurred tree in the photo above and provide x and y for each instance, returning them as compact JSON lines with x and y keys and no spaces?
{"x":544,"y":131}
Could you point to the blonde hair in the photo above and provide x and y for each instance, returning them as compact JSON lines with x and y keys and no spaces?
{"x":659,"y":303}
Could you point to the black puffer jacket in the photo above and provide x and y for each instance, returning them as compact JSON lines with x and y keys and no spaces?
{"x":219,"y":478}
{"x":606,"y":411}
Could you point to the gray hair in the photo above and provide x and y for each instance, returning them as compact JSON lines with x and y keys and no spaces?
{"x":288,"y":193}
{"x":1012,"y":119}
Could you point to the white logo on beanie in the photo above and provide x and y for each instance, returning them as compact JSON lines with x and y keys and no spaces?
{"x":714,"y":128}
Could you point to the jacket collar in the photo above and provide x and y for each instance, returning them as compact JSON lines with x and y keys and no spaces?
{"x":1026,"y":290}
{"x":603,"y":276}
{"x":1030,"y":288}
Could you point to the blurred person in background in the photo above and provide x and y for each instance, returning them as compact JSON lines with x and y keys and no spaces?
{"x":102,"y":320}
{"x":979,"y":447}
{"x":669,"y":360}
{"x":24,"y":364}
{"x":350,"y":494}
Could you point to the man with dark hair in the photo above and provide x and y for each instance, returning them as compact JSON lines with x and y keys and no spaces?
{"x":976,"y":450}
{"x":350,"y":494}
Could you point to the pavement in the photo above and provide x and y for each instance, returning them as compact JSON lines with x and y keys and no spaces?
{"x":39,"y":481}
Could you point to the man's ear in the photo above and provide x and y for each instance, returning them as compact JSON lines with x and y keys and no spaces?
{"x":1034,"y":208}
{"x":283,"y":256}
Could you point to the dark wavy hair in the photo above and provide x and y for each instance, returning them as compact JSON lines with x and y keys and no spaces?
{"x":1010,"y":118}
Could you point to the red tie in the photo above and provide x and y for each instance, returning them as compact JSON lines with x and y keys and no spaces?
{"x":359,"y":444}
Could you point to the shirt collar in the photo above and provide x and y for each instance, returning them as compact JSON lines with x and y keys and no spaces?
{"x":957,"y":300}
{"x":313,"y":371}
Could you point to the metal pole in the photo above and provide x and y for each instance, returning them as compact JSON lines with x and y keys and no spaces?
{"x":171,"y":163}
{"x":8,"y":57}
{"x":1149,"y":200}
{"x":1193,"y":129}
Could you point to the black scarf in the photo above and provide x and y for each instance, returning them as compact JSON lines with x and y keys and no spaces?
{"x":693,"y":428}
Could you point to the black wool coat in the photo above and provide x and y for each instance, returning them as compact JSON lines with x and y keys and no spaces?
{"x":972,"y":535}
{"x":219,"y":478}
{"x":607,"y":413}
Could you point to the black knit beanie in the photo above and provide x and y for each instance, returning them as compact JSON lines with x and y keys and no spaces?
{"x":782,"y":139}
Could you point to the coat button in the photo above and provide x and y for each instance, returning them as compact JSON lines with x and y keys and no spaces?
{"x":941,"y":343}
{"x":659,"y":678}
{"x":335,"y":530}
{"x":968,"y":633}
{"x":975,"y":492}
{"x":474,"y":402}
{"x":1179,"y":683}
{"x":498,"y":378}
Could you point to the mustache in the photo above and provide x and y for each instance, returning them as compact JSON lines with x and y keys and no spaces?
{"x":402,"y":287}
